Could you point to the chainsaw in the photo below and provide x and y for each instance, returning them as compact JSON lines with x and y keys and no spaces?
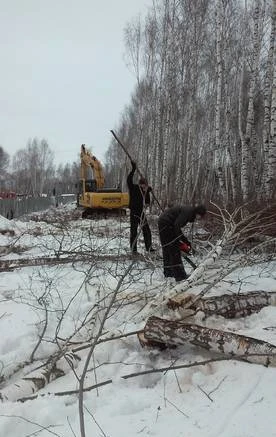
{"x":185,"y":248}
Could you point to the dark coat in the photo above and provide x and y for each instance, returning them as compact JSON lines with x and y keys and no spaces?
{"x":176,"y":218}
{"x":137,"y":198}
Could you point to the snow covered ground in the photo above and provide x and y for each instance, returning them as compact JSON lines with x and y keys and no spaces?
{"x":42,"y":306}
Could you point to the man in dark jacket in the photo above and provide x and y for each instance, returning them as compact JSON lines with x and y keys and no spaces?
{"x":139,"y":199}
{"x":170,"y":223}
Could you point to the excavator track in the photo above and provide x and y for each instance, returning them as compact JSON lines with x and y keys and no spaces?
{"x":98,"y":213}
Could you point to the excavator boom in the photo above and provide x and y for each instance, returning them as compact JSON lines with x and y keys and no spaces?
{"x":89,"y":161}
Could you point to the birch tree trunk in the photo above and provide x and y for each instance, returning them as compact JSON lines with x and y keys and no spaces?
{"x":160,"y":101}
{"x":218,"y":146}
{"x":169,"y":29}
{"x":268,"y":100}
{"x":172,"y":333}
{"x":246,"y":140}
{"x":271,"y":167}
{"x":229,"y":306}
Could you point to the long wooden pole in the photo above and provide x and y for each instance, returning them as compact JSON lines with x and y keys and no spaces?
{"x":137,"y":169}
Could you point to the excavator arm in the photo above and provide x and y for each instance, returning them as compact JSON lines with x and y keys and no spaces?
{"x":89,"y":161}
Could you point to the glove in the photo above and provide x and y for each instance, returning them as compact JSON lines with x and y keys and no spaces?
{"x":185,"y":247}
{"x":134,"y":166}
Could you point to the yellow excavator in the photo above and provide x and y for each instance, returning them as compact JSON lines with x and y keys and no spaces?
{"x":93,"y":196}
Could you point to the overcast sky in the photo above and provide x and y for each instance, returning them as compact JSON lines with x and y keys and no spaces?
{"x":63,"y":75}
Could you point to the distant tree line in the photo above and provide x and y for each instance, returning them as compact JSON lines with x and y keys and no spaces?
{"x":32,"y":172}
{"x":201,"y":122}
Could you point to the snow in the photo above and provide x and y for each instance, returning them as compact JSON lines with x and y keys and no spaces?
{"x":218,"y":399}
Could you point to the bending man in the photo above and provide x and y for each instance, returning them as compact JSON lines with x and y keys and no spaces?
{"x":170,"y":223}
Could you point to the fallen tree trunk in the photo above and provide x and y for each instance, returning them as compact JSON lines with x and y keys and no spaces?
{"x":229,"y":306}
{"x":163,"y":332}
{"x":158,"y":304}
{"x":39,"y":378}
{"x":12,"y":264}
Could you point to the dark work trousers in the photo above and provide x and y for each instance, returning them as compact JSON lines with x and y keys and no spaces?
{"x":135,"y":221}
{"x":172,"y":261}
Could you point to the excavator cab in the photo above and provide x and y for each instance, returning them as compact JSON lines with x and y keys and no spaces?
{"x":91,"y":185}
{"x":93,"y":197}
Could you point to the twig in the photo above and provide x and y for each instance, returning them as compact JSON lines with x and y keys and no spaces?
{"x":40,"y":336}
{"x":180,"y":411}
{"x":203,"y":391}
{"x":44,"y":428}
{"x":71,"y":428}
{"x":93,"y":417}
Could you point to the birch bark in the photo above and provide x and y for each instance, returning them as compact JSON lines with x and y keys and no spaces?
{"x":218,"y":145}
{"x":246,"y":138}
{"x":271,"y":167}
{"x":173,"y":333}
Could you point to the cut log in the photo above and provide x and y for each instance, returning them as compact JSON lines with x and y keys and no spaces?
{"x":39,"y":378}
{"x":175,"y":333}
{"x":149,"y":343}
{"x":229,"y":306}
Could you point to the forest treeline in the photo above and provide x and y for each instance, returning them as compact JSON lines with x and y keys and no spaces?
{"x":201,"y":121}
{"x":31,"y":171}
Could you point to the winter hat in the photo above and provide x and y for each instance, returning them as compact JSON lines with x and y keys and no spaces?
{"x":143,"y":181}
{"x":200,"y":209}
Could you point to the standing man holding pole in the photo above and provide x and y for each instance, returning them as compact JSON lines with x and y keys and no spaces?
{"x":138,"y":171}
{"x":139,"y":199}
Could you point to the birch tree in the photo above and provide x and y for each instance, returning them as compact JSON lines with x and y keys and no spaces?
{"x":219,"y":153}
{"x":246,"y":137}
{"x":270,"y":151}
